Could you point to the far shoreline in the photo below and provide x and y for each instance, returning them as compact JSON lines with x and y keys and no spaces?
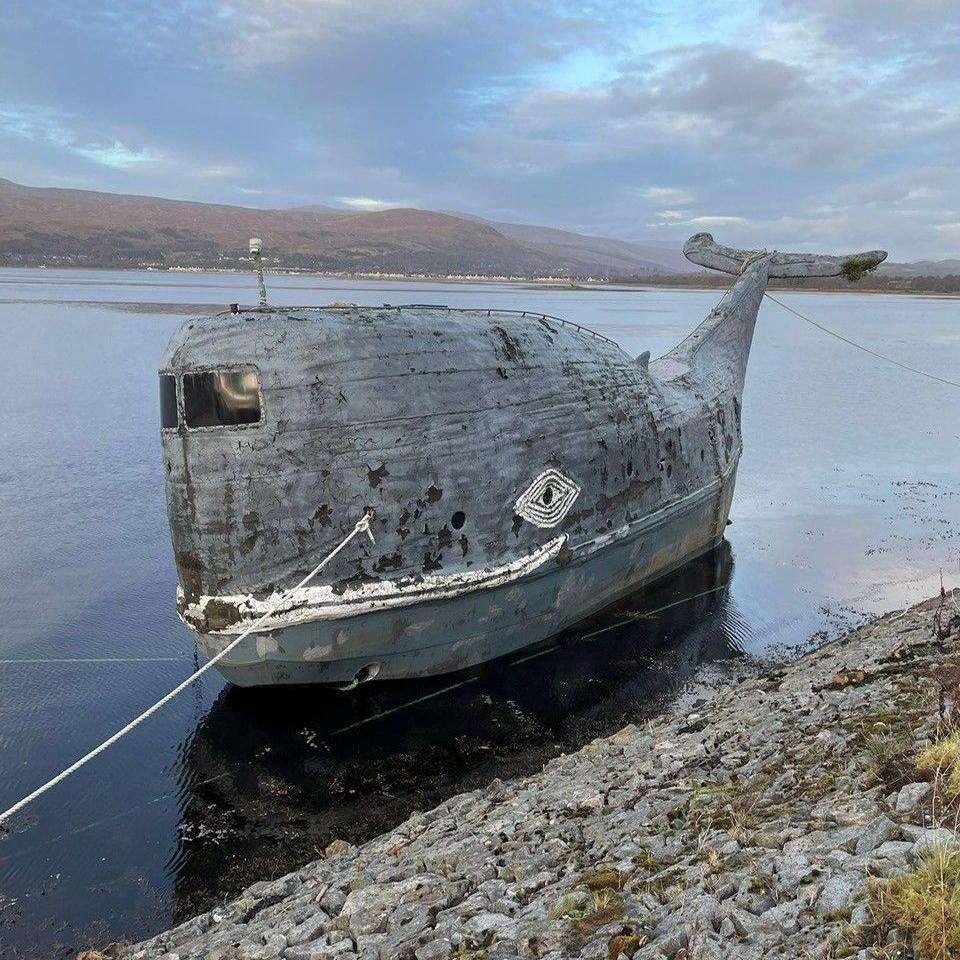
{"x":558,"y":284}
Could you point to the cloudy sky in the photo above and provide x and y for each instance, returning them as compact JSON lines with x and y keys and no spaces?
{"x":788,"y":123}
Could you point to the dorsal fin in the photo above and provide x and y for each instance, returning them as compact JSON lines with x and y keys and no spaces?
{"x":702,"y":249}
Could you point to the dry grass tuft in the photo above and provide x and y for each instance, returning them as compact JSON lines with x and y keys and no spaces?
{"x":112,"y":952}
{"x":645,"y":861}
{"x":603,"y":899}
{"x":924,"y":903}
{"x":571,"y":907}
{"x":608,"y":879}
{"x":942,"y":759}
{"x":627,"y":944}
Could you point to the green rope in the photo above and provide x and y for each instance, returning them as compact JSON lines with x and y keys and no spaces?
{"x":650,"y":613}
{"x":403,"y":706}
{"x":531,"y":656}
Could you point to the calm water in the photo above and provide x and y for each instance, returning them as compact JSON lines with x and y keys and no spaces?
{"x":848,"y":502}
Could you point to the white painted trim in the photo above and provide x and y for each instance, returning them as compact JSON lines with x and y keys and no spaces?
{"x":321,"y":603}
{"x":643,"y":523}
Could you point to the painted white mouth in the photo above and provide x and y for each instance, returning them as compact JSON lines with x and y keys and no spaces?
{"x":321,"y":603}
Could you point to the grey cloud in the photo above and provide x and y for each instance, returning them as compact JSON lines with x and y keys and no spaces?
{"x":819,"y":123}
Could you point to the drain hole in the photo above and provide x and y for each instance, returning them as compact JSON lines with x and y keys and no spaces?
{"x":366,"y":673}
{"x":547,"y":497}
{"x":458,"y":520}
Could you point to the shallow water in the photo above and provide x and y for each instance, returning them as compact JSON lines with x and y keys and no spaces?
{"x":847,"y":503}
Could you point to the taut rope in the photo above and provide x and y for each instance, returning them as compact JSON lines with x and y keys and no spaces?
{"x":860,"y":346}
{"x":362,"y":526}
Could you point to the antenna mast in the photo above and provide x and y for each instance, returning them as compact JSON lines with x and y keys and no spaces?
{"x":256,"y":246}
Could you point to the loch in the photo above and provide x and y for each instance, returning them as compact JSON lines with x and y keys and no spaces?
{"x":519,"y":473}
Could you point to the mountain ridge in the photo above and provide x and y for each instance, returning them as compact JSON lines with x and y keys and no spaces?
{"x":91,"y":228}
{"x":67,"y":226}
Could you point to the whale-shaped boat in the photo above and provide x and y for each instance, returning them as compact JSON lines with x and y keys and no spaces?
{"x":522,"y":473}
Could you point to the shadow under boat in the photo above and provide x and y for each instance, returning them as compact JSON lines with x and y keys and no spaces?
{"x":271,"y":775}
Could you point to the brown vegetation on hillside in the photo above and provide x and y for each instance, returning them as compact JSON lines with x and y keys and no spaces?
{"x":84,"y":228}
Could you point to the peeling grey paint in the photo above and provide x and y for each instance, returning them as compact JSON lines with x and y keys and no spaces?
{"x":425,"y":413}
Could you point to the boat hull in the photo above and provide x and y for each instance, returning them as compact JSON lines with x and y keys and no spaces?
{"x":457,"y":632}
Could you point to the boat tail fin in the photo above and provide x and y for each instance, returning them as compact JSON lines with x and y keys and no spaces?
{"x":703,"y":250}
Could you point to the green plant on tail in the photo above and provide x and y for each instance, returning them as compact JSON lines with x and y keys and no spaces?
{"x":855,"y":267}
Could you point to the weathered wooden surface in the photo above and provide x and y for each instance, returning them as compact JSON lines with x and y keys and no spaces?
{"x":444,"y":421}
{"x":704,"y":250}
{"x":418,"y":413}
{"x":422,"y":414}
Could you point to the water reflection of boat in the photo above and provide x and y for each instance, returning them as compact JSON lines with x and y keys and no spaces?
{"x":279,"y":775}
{"x":524,"y":472}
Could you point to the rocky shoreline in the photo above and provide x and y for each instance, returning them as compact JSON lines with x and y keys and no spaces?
{"x":805,"y":810}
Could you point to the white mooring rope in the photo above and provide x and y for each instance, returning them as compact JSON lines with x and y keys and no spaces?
{"x":362,"y":526}
{"x":860,"y":346}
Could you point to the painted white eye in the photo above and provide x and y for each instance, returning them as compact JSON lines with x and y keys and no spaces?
{"x":546,"y":501}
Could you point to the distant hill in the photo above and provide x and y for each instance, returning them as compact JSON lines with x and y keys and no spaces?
{"x":923,"y":268}
{"x":44,"y":225}
{"x":53,"y":226}
{"x":616,"y":256}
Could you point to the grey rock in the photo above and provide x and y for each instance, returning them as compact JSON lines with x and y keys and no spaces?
{"x":332,"y":900}
{"x":664,"y":946}
{"x":910,"y":796}
{"x":434,"y":950}
{"x":838,"y":859}
{"x":876,"y":832}
{"x":783,"y":917}
{"x":855,"y":812}
{"x":912,"y":831}
{"x":792,"y":870}
{"x":728,"y":928}
{"x":488,"y":869}
{"x":896,"y":852}
{"x":861,"y":915}
{"x":839,"y":891}
{"x":702,"y":909}
{"x":366,"y":909}
{"x":596,"y":948}
{"x":819,"y":843}
{"x":309,"y":929}
{"x":724,"y":889}
{"x":343,"y":950}
{"x":934,"y":837}
{"x":705,"y":945}
{"x":744,"y":922}
{"x":492,"y":923}
{"x":523,"y":888}
{"x":272,"y":947}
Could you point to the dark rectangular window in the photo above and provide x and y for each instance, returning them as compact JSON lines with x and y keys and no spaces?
{"x":221,"y":398}
{"x":168,"y":401}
